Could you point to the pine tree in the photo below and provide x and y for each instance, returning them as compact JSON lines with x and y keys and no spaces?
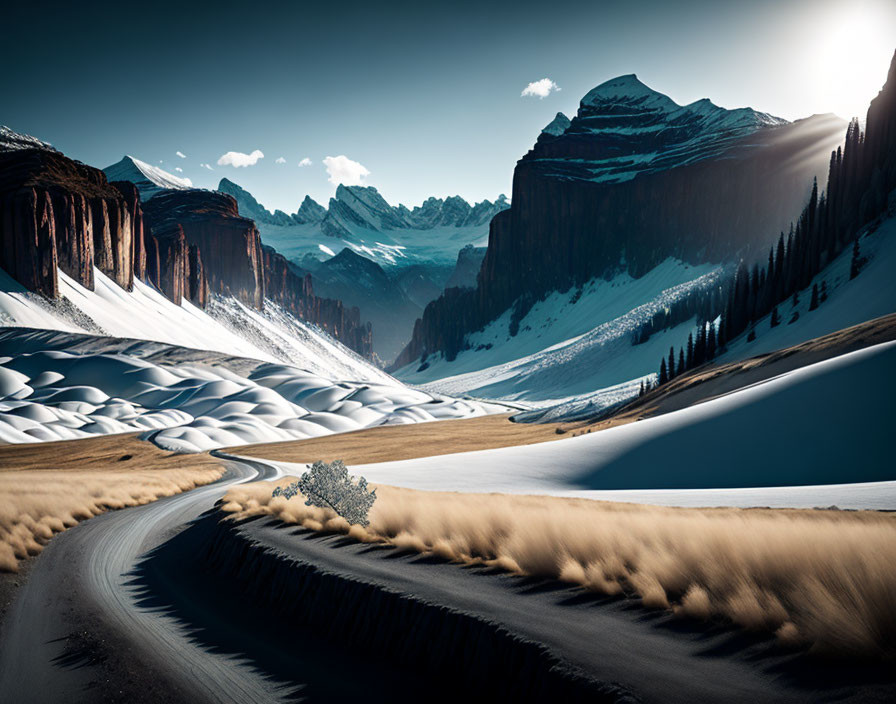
{"x":664,"y":377}
{"x":711,"y":341}
{"x":824,"y":291}
{"x":813,"y":304}
{"x":796,"y":299}
{"x":856,"y":264}
{"x":641,"y":392}
{"x":752,"y":335}
{"x":689,"y":360}
{"x":681,"y":367}
{"x":672,"y":373}
{"x":776,"y":321}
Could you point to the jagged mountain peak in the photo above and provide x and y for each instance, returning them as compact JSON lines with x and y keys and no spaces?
{"x":557,"y":126}
{"x":627,"y":89}
{"x":310,"y":212}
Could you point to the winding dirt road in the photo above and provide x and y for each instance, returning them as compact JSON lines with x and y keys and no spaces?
{"x":120,"y":608}
{"x":82,"y":581}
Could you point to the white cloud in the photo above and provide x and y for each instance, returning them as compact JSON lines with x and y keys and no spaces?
{"x":305,"y":162}
{"x":181,"y":155}
{"x":238,"y":159}
{"x":207,"y":166}
{"x":540,"y":89}
{"x":280,"y":160}
{"x":343,"y":170}
{"x":177,"y":168}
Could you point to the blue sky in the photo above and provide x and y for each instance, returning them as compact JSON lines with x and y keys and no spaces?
{"x":426,"y":97}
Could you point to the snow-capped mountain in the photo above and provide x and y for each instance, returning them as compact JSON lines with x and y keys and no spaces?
{"x":552,"y":344}
{"x":150,"y":180}
{"x":632,"y":181}
{"x":251,"y":208}
{"x":633,"y":129}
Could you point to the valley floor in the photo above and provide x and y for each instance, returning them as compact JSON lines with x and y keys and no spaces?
{"x":123,"y":599}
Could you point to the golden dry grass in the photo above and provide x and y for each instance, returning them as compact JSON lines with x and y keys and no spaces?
{"x":386,"y":443}
{"x":48,"y":487}
{"x":817,"y":579}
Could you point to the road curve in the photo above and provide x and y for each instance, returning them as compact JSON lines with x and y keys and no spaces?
{"x":90,"y":575}
{"x":82,"y":578}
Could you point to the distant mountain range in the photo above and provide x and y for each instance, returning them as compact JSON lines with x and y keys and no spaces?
{"x":362,"y":207}
{"x":390,"y":261}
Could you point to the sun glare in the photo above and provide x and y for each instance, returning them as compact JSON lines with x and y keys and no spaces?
{"x":853,"y":58}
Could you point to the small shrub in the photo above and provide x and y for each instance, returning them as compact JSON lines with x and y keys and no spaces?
{"x":328,"y":485}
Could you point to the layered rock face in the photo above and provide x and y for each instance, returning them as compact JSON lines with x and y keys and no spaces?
{"x":634,"y":179}
{"x":166,"y":261}
{"x":58,"y":212}
{"x":230,"y":244}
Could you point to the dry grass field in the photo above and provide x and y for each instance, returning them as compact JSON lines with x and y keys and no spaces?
{"x":817,"y":579}
{"x":47,"y":487}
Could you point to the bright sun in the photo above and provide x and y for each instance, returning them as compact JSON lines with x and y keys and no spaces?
{"x":852,"y":59}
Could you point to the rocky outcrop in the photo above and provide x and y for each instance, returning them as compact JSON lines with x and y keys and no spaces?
{"x":230,"y":244}
{"x":469,"y":262}
{"x":59,"y":212}
{"x":292,"y":288}
{"x":632,"y":180}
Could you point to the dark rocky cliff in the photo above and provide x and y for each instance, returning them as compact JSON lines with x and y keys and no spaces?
{"x":56,"y":212}
{"x":230,"y":244}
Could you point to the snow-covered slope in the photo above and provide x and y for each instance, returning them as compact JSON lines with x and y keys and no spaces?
{"x":573,"y":351}
{"x":149,"y":179}
{"x":54,"y":395}
{"x":10,"y":140}
{"x":569,"y":344}
{"x":826,"y":423}
{"x":226,"y":326}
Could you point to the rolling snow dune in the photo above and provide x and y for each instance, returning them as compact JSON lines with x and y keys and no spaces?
{"x":54,"y":395}
{"x":145,"y":314}
{"x":827,"y":423}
